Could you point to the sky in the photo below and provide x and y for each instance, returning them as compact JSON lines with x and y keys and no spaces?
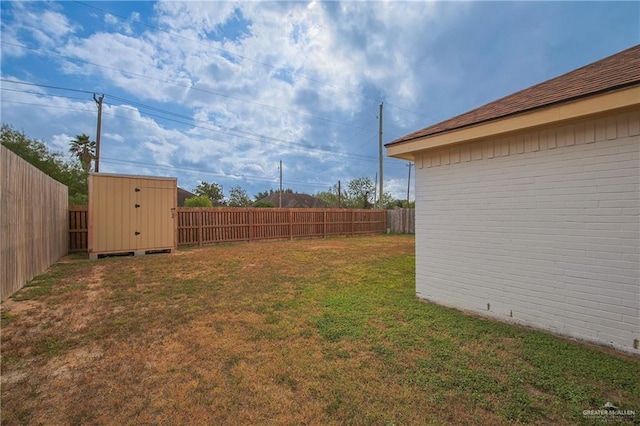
{"x":221,"y":92}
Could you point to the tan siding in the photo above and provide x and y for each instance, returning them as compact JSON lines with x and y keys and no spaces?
{"x":154,"y":216}
{"x":115,"y":219}
{"x":566,"y":136}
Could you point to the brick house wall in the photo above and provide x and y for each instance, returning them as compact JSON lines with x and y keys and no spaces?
{"x":540,"y":228}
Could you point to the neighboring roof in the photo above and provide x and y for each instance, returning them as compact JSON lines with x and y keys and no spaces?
{"x":294,"y":201}
{"x":183,"y":194}
{"x":609,"y":74}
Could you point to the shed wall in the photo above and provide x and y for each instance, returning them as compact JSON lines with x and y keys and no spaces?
{"x":129,"y":213}
{"x":540,"y":228}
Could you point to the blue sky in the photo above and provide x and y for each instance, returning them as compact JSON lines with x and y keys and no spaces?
{"x":222,"y":91}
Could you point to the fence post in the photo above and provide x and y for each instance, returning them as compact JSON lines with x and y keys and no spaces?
{"x":353,"y":213}
{"x":200,"y":227}
{"x":290,"y":224}
{"x":324,"y":224}
{"x":404,"y":221}
{"x":384,"y":221}
{"x":250,"y":222}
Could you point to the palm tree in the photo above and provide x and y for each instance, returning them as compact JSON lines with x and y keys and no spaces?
{"x":84,"y":149}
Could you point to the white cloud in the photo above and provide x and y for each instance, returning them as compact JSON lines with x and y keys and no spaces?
{"x":55,"y":24}
{"x":12,"y":46}
{"x":60,"y":143}
{"x":203,"y":17}
{"x":112,"y":137}
{"x":111,"y":19}
{"x":48,"y":27}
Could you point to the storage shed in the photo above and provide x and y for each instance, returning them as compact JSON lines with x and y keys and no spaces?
{"x":131,"y":214}
{"x":528,"y":208}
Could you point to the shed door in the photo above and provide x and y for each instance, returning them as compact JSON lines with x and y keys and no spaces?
{"x":155,"y":211}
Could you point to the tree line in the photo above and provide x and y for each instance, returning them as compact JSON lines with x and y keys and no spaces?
{"x":358,"y":193}
{"x":72,"y":172}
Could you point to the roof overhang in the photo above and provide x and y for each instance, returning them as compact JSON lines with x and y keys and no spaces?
{"x":602,"y":104}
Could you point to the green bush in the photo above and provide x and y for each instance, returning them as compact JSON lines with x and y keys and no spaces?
{"x":263,"y":204}
{"x":201,"y":201}
{"x":78,"y":199}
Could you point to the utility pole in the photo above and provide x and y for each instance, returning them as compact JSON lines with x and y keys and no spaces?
{"x":98,"y":130}
{"x":339,"y":195}
{"x":380,"y":154}
{"x":375,"y":189}
{"x":409,"y":165}
{"x":280,"y":194}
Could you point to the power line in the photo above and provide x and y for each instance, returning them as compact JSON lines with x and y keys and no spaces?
{"x":132,"y":119}
{"x":46,"y":106}
{"x":249,"y":178}
{"x":316,"y":151}
{"x":406,"y":110}
{"x":40,"y":93}
{"x":125,"y":118}
{"x":68,"y":89}
{"x":188,"y":86}
{"x":250,"y":136}
{"x":235,"y":133}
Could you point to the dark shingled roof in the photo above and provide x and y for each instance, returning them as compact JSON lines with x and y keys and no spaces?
{"x":293,"y":201}
{"x":612,"y":73}
{"x":183,"y":194}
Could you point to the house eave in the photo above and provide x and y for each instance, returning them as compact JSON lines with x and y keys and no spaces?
{"x":628,"y":98}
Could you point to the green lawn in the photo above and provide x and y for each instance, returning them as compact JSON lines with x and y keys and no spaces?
{"x":292,"y":332}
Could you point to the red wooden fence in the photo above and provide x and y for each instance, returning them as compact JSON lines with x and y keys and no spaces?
{"x":78,"y":228}
{"x":198,"y":226}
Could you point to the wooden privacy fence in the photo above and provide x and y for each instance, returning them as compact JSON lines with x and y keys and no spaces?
{"x":205,"y":226}
{"x":402,"y":221}
{"x":33,"y":222}
{"x":198,"y":226}
{"x":78,"y":228}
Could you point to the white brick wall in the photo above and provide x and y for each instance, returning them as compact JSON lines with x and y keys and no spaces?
{"x":542,"y":227}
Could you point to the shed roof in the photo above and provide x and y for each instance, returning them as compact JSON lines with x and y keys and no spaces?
{"x":609,"y":74}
